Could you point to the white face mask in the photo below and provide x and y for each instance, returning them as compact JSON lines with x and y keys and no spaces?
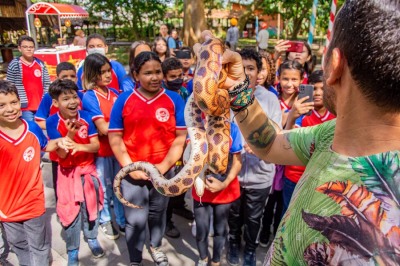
{"x":101,"y":51}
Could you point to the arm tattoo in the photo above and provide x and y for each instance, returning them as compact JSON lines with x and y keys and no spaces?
{"x":286,"y":145}
{"x":264,"y":136}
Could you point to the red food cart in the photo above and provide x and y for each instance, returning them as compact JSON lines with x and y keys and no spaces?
{"x":65,"y":13}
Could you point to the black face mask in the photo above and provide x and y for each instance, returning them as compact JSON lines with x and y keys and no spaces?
{"x":174,"y":85}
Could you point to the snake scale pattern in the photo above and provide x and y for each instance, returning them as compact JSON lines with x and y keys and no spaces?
{"x":209,"y":142}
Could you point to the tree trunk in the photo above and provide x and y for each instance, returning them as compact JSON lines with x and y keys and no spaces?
{"x":193,"y":21}
{"x":296,"y":28}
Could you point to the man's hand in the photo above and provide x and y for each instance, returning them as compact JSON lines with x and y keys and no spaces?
{"x":232,"y":63}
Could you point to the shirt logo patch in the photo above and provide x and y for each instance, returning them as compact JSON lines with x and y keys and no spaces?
{"x":29,"y":153}
{"x":83,"y":132}
{"x":37,"y":73}
{"x":162,"y":114}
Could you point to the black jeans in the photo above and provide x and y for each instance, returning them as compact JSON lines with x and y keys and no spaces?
{"x":152,"y":213}
{"x":177,"y":202}
{"x":272,"y":213}
{"x":247,"y":211}
{"x":202,"y":213}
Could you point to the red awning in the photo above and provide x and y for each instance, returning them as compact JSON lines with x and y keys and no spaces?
{"x":63,"y":10}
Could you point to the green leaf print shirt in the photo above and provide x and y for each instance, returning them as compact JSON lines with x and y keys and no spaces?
{"x":344,"y":210}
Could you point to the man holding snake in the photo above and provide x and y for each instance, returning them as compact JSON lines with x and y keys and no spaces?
{"x":346,"y":207}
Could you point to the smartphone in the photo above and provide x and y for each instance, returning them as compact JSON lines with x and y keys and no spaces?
{"x":306,"y":90}
{"x":296,"y":47}
{"x":76,"y":123}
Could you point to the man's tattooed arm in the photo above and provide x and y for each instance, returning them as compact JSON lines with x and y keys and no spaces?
{"x":264,"y":136}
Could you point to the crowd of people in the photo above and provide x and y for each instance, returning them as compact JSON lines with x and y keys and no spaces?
{"x":316,"y":180}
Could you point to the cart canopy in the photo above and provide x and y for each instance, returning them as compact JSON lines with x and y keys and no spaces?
{"x":62,"y":10}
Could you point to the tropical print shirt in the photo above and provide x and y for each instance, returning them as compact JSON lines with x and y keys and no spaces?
{"x":344,"y":210}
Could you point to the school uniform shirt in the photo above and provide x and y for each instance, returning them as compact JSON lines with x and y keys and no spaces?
{"x":26,"y":78}
{"x":189,"y":86}
{"x":117,"y":75}
{"x":99,"y":106}
{"x":284,"y":107}
{"x":32,"y":81}
{"x":46,"y":109}
{"x":148,"y":125}
{"x":21,"y":186}
{"x":232,"y":191}
{"x":128,"y":84}
{"x":294,"y":173}
{"x":56,"y":128}
{"x":273,"y":90}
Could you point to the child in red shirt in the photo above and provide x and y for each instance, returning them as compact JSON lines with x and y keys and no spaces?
{"x":30,"y":76}
{"x":79,"y":190}
{"x":147,"y":124}
{"x":220,"y":192}
{"x":22,"y":203}
{"x":98,"y":101}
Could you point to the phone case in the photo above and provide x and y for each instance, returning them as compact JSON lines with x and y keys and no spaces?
{"x":76,"y":123}
{"x":296,"y":47}
{"x":306,"y":90}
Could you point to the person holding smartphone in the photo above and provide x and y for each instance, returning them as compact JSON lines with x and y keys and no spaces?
{"x":305,"y":112}
{"x":297,"y":51}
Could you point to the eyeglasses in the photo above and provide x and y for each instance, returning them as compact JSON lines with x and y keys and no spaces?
{"x":28,"y":47}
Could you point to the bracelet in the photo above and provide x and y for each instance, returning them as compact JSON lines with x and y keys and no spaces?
{"x":241,"y":96}
{"x":238,"y":108}
{"x":240,"y":87}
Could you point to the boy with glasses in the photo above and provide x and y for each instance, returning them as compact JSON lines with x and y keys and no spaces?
{"x":30,"y":76}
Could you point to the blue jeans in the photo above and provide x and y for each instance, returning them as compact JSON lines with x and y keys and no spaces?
{"x":28,"y":240}
{"x":287,"y":192}
{"x":28,"y":115}
{"x":90,"y":228}
{"x":107,"y":168}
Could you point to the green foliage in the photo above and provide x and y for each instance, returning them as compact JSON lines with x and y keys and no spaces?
{"x":296,"y":14}
{"x":134,"y":14}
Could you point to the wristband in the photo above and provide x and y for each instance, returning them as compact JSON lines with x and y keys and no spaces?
{"x":241,"y":96}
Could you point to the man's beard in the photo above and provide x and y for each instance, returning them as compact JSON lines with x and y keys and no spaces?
{"x":329,"y":98}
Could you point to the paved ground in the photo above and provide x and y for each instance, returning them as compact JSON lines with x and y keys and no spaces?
{"x":181,"y":251}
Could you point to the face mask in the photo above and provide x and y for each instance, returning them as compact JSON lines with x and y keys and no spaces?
{"x":175,"y":84}
{"x":101,"y":51}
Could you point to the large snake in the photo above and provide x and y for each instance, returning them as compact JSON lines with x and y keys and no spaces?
{"x":208,"y":147}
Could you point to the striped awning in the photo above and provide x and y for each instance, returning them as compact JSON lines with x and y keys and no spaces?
{"x":63,"y":10}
